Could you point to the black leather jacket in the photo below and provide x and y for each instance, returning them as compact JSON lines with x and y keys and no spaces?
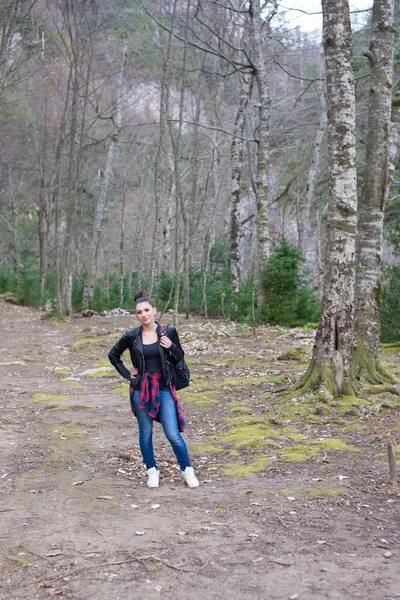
{"x":132,"y":340}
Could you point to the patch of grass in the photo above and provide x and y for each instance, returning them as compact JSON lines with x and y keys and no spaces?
{"x":244,"y":470}
{"x":106,"y":372}
{"x":200,"y":448}
{"x":300,"y":453}
{"x":84,"y":346}
{"x":253,"y":434}
{"x":71,"y":384}
{"x":323,"y":490}
{"x":66,"y":407}
{"x":242,"y":408}
{"x":62,"y":370}
{"x":104,"y":362}
{"x":122,"y":389}
{"x":350,"y":403}
{"x":311,"y":449}
{"x":286,"y":493}
{"x":202,"y":399}
{"x":298,"y":353}
{"x":41,"y":398}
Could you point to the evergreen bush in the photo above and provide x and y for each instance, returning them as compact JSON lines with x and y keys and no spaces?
{"x":288,"y":299}
{"x":390,"y":305}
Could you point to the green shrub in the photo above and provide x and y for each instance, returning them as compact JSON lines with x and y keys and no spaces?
{"x":288,"y":299}
{"x":390,"y":305}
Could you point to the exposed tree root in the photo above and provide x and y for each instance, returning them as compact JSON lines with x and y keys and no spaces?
{"x":369,"y":377}
{"x":366,"y":368}
{"x":318,"y":379}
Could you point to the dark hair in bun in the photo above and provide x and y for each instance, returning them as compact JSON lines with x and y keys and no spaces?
{"x":140,"y":297}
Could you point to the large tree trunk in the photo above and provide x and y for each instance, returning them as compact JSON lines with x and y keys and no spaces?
{"x":262,"y":170}
{"x":370,"y":215}
{"x":329,"y":369}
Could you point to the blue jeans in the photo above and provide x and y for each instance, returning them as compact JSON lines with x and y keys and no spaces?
{"x":169,"y":422}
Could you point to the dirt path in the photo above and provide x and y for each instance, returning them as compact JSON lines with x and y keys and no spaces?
{"x":77,"y":520}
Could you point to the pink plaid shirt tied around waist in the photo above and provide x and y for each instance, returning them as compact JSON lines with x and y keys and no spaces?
{"x":150,"y":398}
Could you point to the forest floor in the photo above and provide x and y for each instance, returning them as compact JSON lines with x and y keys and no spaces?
{"x":293,"y":502}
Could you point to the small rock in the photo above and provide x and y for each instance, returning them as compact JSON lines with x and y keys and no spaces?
{"x":388,"y":554}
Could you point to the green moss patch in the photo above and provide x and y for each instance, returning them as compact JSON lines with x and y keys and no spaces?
{"x":200,"y":448}
{"x":202,"y":399}
{"x":298,"y":353}
{"x":254,"y":434}
{"x":244,"y":470}
{"x":62,"y":370}
{"x":41,"y":398}
{"x":324,"y":491}
{"x":242,"y":408}
{"x":71,"y":384}
{"x":311,"y":449}
{"x":84,"y":346}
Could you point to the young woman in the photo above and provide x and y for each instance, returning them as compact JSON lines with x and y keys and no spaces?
{"x":152,"y":390}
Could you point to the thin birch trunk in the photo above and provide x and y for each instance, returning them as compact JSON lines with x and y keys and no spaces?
{"x":44,"y":209}
{"x":121,"y":247}
{"x":330,"y":366}
{"x":237,"y":161}
{"x":159,"y":159}
{"x":370,"y":214}
{"x":66,"y":288}
{"x":309,"y":241}
{"x":191,"y":203}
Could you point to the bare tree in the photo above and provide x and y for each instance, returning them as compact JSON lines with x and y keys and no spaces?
{"x":105,"y":180}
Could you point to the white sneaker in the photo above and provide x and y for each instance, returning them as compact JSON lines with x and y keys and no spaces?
{"x":154,"y":476}
{"x":190,"y":477}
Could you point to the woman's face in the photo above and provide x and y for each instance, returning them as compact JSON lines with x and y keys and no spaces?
{"x":145,"y":312}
